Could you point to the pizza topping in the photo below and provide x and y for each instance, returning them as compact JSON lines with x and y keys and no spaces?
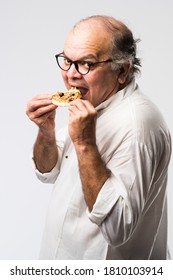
{"x":64,"y":98}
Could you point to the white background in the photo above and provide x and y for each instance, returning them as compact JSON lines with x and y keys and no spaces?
{"x":31,"y":33}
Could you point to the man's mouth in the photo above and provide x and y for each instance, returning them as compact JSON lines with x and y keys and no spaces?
{"x":83,"y":90}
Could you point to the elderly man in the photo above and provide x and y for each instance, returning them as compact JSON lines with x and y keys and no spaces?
{"x":109,"y":166}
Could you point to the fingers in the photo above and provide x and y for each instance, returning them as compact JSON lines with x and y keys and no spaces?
{"x":39,"y":108}
{"x":37,"y":102}
{"x":83,"y":107}
{"x":82,"y":122}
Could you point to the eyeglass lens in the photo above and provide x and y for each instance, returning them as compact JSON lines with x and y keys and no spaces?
{"x":64,"y":63}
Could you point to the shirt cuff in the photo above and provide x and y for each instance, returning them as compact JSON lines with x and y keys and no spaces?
{"x":48,"y":177}
{"x":106,"y":199}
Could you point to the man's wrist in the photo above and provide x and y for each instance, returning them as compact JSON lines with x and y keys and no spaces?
{"x":85,"y":147}
{"x":48,"y":137}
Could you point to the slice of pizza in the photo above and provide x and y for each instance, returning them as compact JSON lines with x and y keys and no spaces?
{"x":63,"y":99}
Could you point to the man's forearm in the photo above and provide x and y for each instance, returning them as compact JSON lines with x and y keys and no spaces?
{"x":45,"y":153}
{"x":93,"y":172}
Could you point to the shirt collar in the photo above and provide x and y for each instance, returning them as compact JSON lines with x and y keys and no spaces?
{"x":118,"y":96}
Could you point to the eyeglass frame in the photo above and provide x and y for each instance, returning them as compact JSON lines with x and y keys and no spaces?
{"x":75,"y":62}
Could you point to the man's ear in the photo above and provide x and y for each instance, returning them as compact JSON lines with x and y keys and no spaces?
{"x":123,"y":73}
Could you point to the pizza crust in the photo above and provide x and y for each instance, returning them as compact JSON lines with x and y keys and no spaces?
{"x":63,"y":99}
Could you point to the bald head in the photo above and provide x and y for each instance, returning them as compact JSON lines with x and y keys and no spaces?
{"x":90,"y":32}
{"x":120,"y":41}
{"x":106,"y":22}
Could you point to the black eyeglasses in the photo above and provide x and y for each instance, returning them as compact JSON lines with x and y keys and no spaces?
{"x":82,"y":66}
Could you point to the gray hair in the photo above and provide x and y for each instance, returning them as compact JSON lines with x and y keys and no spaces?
{"x":123,"y":44}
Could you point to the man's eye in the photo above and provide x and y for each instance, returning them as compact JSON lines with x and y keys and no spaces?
{"x":87,"y":63}
{"x":67,"y":61}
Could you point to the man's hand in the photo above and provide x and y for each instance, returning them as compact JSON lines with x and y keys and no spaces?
{"x":82,"y":122}
{"x":41,"y":111}
{"x":93,"y":171}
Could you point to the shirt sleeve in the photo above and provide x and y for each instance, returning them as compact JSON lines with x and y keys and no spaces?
{"x":49,"y":177}
{"x":121,"y":200}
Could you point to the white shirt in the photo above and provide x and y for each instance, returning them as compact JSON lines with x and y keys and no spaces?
{"x":129,"y":219}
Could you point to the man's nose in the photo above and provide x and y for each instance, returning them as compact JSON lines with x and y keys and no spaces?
{"x":73,"y":73}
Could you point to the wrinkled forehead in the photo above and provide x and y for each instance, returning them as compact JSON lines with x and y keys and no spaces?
{"x":88,"y":38}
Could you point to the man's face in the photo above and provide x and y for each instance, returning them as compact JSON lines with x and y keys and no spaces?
{"x":92,"y":44}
